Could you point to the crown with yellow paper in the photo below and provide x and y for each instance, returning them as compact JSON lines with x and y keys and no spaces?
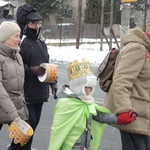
{"x":78,"y":69}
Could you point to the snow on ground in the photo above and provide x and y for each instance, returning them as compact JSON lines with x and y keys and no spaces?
{"x":91,"y":52}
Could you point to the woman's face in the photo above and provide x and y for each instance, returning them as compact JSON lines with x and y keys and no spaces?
{"x":13,"y":41}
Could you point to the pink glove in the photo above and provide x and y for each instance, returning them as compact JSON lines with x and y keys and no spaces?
{"x":126,"y":117}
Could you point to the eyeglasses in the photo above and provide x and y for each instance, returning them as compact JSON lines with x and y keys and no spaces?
{"x":35,"y":23}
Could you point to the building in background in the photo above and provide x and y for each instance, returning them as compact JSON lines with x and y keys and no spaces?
{"x":6,"y":10}
{"x":16,"y":3}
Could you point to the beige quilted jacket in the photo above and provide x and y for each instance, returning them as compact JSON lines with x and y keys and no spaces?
{"x":12,"y":102}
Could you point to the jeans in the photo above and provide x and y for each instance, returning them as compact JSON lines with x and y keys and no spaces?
{"x":34,"y":118}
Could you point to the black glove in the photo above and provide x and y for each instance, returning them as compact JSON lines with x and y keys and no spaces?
{"x":54,"y":89}
{"x":38,"y":70}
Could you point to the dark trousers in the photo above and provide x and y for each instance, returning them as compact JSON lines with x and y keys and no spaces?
{"x":34,"y":118}
{"x":1,"y":126}
{"x":132,"y":141}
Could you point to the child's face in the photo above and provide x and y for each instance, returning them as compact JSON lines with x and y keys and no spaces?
{"x":88,"y":90}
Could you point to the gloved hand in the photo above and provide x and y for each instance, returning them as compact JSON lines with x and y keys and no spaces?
{"x":18,"y":118}
{"x":38,"y":70}
{"x":54,"y":89}
{"x":126,"y":117}
{"x":15,"y":119}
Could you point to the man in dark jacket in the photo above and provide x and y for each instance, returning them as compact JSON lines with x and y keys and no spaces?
{"x":34,"y":52}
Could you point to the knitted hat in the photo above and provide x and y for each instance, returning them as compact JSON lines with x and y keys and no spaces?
{"x":7,"y":29}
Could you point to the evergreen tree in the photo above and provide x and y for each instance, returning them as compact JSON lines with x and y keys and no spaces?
{"x":140,"y":5}
{"x":45,"y":7}
{"x":117,"y":12}
{"x":93,"y":12}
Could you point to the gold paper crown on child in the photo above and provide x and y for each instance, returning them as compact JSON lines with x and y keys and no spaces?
{"x":78,"y":69}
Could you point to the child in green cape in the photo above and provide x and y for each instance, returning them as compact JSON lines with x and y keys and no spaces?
{"x":78,"y":122}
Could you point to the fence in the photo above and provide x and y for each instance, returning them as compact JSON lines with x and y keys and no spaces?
{"x":68,"y":29}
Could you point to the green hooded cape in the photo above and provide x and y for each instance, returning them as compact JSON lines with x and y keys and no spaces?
{"x":69,"y":123}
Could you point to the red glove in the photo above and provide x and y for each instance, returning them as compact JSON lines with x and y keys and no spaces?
{"x":126,"y":117}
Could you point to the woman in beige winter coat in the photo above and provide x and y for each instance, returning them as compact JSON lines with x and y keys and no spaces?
{"x":12,"y":103}
{"x":130,"y":89}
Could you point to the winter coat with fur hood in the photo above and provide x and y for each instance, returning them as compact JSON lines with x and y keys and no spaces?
{"x":12,"y":103}
{"x":130,"y":89}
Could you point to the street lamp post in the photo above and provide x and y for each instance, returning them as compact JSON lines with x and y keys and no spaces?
{"x":61,"y":27}
{"x":78,"y":24}
{"x":145,"y":16}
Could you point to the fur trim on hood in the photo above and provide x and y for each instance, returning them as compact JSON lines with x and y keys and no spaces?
{"x":136,"y":35}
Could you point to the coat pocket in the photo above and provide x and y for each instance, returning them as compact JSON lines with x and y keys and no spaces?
{"x":141,"y":106}
{"x":4,"y":117}
{"x":23,"y":112}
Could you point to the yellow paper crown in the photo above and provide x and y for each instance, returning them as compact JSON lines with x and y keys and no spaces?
{"x":78,"y":69}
